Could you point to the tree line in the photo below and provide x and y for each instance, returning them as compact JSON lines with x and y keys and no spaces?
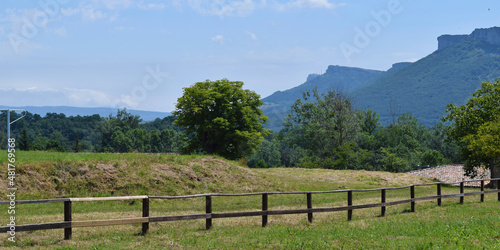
{"x":326,"y":131}
{"x":121,"y":133}
{"x":323,"y":130}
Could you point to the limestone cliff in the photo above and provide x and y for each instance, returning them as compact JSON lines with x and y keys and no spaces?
{"x":489,"y":35}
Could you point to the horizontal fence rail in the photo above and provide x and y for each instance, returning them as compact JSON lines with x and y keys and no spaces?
{"x":209,"y":215}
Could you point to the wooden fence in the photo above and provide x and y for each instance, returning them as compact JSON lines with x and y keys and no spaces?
{"x":209,"y":215}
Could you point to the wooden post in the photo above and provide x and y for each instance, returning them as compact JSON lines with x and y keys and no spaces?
{"x":349,"y":203}
{"x":482,"y":190}
{"x":439,"y":193}
{"x":145,"y":213}
{"x":208,"y":210}
{"x":383,"y":201}
{"x":309,"y":206}
{"x":498,"y":188}
{"x":412,"y":195}
{"x":67,"y":217}
{"x":461,"y":192}
{"x":264,"y":208}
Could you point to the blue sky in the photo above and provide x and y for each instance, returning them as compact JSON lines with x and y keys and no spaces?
{"x":140,"y":54}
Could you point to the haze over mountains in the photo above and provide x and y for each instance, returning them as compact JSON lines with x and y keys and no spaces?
{"x":423,"y":88}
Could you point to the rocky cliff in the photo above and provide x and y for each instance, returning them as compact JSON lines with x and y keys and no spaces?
{"x":489,"y":35}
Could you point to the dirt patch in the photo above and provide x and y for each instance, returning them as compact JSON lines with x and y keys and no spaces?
{"x":453,"y":173}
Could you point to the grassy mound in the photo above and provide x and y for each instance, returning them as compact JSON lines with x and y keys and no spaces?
{"x":78,"y":175}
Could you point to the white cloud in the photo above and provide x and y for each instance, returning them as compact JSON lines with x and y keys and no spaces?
{"x":218,"y":39}
{"x":85,"y":97}
{"x":115,"y":4}
{"x":252,"y":35}
{"x":223,"y":7}
{"x":311,"y":4}
{"x":100,"y":9}
{"x":152,"y":6}
{"x":91,"y":14}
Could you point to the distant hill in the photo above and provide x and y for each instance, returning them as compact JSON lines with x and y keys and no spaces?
{"x":425,"y":87}
{"x":422,"y":88}
{"x":103,"y":112}
{"x":342,"y":78}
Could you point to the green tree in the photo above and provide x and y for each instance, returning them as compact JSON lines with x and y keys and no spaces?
{"x":124,"y":122}
{"x":54,"y":145}
{"x":268,"y":155}
{"x":474,"y":126}
{"x":24,"y":142}
{"x":326,"y":125}
{"x":222,"y":118}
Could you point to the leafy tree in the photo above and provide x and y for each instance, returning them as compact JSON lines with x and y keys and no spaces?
{"x":54,"y":145}
{"x":123,"y":121}
{"x":370,"y":121}
{"x":474,"y":126}
{"x":24,"y":143}
{"x":268,"y":155}
{"x":120,"y":142}
{"x":324,"y":124}
{"x":220,"y":117}
{"x":432,"y":158}
{"x":77,"y":146}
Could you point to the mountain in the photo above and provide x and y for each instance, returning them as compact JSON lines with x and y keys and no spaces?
{"x":103,"y":112}
{"x":449,"y":75}
{"x":342,"y":78}
{"x":423,"y":88}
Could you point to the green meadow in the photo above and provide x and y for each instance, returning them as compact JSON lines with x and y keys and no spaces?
{"x":42,"y":175}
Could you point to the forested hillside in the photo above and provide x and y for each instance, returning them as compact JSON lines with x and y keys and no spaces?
{"x":422,"y":88}
{"x":425,"y":87}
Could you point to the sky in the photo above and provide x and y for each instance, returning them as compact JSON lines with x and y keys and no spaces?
{"x":141,"y":54}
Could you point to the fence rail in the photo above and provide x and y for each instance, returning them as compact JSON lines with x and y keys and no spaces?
{"x":209,"y":215}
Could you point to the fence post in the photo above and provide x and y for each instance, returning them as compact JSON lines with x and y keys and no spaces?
{"x":145,"y":213}
{"x":461,"y":192}
{"x":412,"y":196}
{"x":439,"y":193}
{"x":482,"y":190}
{"x":349,"y":203}
{"x":309,"y":206}
{"x":67,"y":217}
{"x":208,"y":211}
{"x":383,"y":203}
{"x":264,"y":209}
{"x":498,"y":188}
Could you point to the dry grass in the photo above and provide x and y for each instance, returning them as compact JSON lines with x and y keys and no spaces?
{"x":175,"y":175}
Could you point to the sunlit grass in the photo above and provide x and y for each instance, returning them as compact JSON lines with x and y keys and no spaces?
{"x":469,"y":225}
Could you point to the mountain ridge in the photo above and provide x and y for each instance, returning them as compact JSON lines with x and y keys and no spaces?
{"x":422,"y":88}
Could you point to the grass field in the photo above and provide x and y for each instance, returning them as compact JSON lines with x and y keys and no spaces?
{"x":451,"y":226}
